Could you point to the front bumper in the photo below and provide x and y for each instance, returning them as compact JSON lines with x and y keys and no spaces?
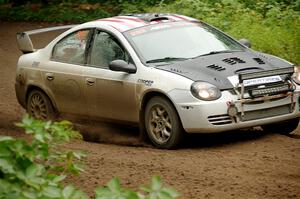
{"x":212,"y":116}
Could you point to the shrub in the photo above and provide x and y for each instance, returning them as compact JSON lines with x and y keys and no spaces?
{"x":62,"y":12}
{"x":155,"y":190}
{"x":35,"y":169}
{"x":273,"y":26}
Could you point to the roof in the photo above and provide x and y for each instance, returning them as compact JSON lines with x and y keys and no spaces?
{"x":131,"y":21}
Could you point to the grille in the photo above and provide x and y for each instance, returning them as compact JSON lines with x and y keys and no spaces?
{"x":271,"y":88}
{"x":252,"y":75}
{"x":233,"y":60}
{"x":219,"y":119}
{"x":215,"y":67}
{"x":269,"y":112}
{"x":259,"y":60}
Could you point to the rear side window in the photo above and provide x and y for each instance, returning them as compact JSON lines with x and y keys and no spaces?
{"x":71,"y":49}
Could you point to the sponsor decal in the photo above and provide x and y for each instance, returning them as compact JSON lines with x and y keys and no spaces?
{"x":262,"y":80}
{"x":251,"y":82}
{"x":35,"y":64}
{"x":146,"y":82}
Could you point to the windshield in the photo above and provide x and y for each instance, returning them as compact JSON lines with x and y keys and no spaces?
{"x":179,"y":41}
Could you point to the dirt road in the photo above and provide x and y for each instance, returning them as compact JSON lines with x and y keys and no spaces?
{"x":242,"y":164}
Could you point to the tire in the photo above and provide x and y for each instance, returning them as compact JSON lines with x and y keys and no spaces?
{"x":162,"y":123}
{"x":39,"y":106}
{"x":284,"y":128}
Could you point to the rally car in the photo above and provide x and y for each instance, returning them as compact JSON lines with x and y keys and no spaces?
{"x":169,"y":73}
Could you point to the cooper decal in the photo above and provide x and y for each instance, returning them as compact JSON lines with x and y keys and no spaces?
{"x":146,"y":82}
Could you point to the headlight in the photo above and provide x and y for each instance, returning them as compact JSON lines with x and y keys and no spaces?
{"x":296,"y":75}
{"x":205,"y":91}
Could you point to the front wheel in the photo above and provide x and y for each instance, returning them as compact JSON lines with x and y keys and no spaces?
{"x":285,"y":127}
{"x":162,"y":123}
{"x":39,"y":106}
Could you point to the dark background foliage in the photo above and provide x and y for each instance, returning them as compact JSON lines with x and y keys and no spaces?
{"x":273,"y":26}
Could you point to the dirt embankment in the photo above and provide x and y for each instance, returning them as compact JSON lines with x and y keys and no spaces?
{"x":242,"y":164}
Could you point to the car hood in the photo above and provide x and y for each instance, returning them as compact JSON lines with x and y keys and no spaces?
{"x":216,"y":68}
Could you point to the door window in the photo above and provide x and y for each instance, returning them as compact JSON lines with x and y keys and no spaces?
{"x":71,"y":49}
{"x":106,"y":49}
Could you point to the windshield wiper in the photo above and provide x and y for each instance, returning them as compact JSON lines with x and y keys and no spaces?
{"x":217,"y":52}
{"x":166,"y":59}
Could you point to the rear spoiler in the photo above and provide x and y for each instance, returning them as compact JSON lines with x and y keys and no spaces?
{"x":24,"y":42}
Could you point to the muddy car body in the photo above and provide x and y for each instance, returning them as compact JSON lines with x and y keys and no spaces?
{"x":170,"y":73}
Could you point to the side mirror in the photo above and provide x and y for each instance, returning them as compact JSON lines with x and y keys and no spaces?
{"x":121,"y":65}
{"x":245,"y":42}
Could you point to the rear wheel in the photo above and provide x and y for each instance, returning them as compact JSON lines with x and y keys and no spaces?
{"x":162,"y":123}
{"x":40,"y":106}
{"x":285,"y":127}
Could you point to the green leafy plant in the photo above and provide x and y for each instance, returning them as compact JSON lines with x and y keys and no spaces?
{"x":36,"y":168}
{"x":48,"y":138}
{"x":272,"y":26}
{"x":155,"y":190}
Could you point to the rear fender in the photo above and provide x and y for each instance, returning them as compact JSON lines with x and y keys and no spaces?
{"x":47,"y":92}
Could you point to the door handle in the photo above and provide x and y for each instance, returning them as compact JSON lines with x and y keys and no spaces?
{"x":50,"y":76}
{"x":89,"y":81}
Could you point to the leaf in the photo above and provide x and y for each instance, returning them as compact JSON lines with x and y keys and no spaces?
{"x":31,"y":171}
{"x":152,"y":195}
{"x":35,"y":170}
{"x":20,"y":174}
{"x":145,"y":188}
{"x":48,"y":125}
{"x":37,"y":181}
{"x":39,"y":137}
{"x":156,"y":183}
{"x":75,"y":168}
{"x":162,"y":195}
{"x":103,"y":191}
{"x":4,"y":185}
{"x":64,"y":123}
{"x":29,"y":195}
{"x":6,"y":138}
{"x":52,"y":192}
{"x":115,"y":191}
{"x":26,"y":119}
{"x":171,"y":192}
{"x":68,"y":191}
{"x":79,"y":154}
{"x":78,"y":194}
{"x":6,"y":166}
{"x":140,"y":195}
{"x":59,"y":178}
{"x":114,"y":185}
{"x":5,"y":152}
{"x":129,"y":194}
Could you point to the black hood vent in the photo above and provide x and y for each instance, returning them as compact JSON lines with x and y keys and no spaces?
{"x":176,"y":70}
{"x":215,"y":67}
{"x":259,"y":60}
{"x":233,"y":60}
